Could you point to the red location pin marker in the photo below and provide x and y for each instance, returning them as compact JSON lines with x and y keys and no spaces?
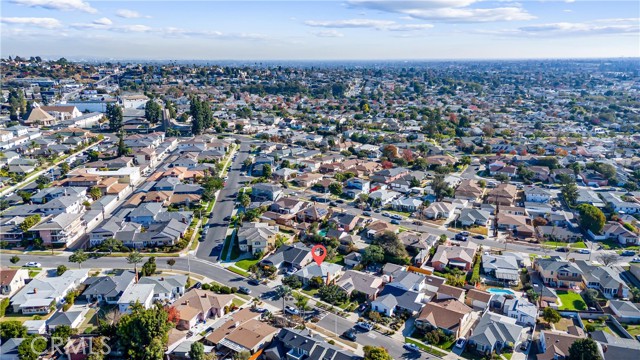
{"x":319,"y":252}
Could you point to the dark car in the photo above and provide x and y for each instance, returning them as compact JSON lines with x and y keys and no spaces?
{"x":340,"y":201}
{"x":366,"y":213}
{"x":244,"y":290}
{"x":479,"y":237}
{"x":628,"y":253}
{"x":227,"y":218}
{"x":460,"y":237}
{"x":395,"y":222}
{"x":253,"y":282}
{"x":198,"y":285}
{"x":562,"y":249}
{"x":349,"y":335}
{"x":333,"y":203}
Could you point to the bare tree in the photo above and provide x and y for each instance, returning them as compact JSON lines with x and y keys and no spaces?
{"x":608,"y":259}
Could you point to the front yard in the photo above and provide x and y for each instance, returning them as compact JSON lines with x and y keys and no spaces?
{"x":571,"y":301}
{"x":246,"y":264}
{"x":575,"y":245}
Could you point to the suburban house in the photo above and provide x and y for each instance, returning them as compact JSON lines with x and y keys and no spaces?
{"x":478,"y":299}
{"x":242,"y":332}
{"x":37,"y":296}
{"x":523,"y":311}
{"x":136,"y":294}
{"x":107,"y":289}
{"x":451,"y":316}
{"x":289,"y":256}
{"x":469,"y":190}
{"x":473,"y":217}
{"x":166,"y":288}
{"x":625,"y":311}
{"x":393,"y":299}
{"x":453,"y":256}
{"x":256,"y":237}
{"x":345,"y":221}
{"x":536,"y":194}
{"x":603,"y":278}
{"x":616,"y":231}
{"x":264,"y":191}
{"x":198,"y":305}
{"x":559,"y":273}
{"x":357,"y":281}
{"x":60,"y":229}
{"x":554,"y":345}
{"x":327,"y":271}
{"x":293,"y":344}
{"x":12,"y":280}
{"x":495,"y":332}
{"x":72,"y":319}
{"x":502,"y":267}
{"x":439,"y":210}
{"x":503,"y":194}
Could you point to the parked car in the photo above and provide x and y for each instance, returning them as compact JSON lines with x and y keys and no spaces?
{"x":419,"y":223}
{"x":33,"y":264}
{"x":464,"y":233}
{"x":411,"y":347}
{"x":253,"y":282}
{"x":395,"y":222}
{"x":366,"y":213}
{"x":362,"y":307}
{"x":291,"y":310}
{"x":197,"y":285}
{"x":364,"y":326}
{"x":349,"y":335}
{"x":227,"y":218}
{"x":628,"y":253}
{"x":584,"y":251}
{"x":635,"y":260}
{"x":260,"y":310}
{"x":340,"y":201}
{"x":479,"y":237}
{"x":244,"y":290}
{"x":396,"y":217}
{"x":377,"y":211}
{"x":460,"y":343}
{"x":386,"y":214}
{"x":563,"y":249}
{"x":460,"y":237}
{"x":525,"y":345}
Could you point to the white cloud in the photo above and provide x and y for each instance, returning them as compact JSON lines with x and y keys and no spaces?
{"x":447,"y":11}
{"x":598,"y":27}
{"x":129,"y":14}
{"x":329,"y":34}
{"x":367,"y":23}
{"x":46,"y":23}
{"x":103,"y":21}
{"x":133,"y":28}
{"x":58,"y":5}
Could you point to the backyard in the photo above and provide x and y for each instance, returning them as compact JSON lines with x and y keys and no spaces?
{"x":571,"y":301}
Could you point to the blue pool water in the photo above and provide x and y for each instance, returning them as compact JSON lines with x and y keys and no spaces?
{"x":501,"y":291}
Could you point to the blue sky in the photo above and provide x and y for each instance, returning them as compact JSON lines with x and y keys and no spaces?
{"x":348,"y":29}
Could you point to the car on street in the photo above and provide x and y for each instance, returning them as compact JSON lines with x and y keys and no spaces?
{"x":563,"y":249}
{"x":291,"y":310}
{"x":366,"y":213}
{"x":395,"y":222}
{"x":253,"y":282}
{"x":628,"y":253}
{"x":227,"y":218}
{"x":349,"y":335}
{"x":364,"y":326}
{"x":386,"y":214}
{"x":396,"y":217}
{"x":635,"y":260}
{"x":333,"y":203}
{"x":464,"y":233}
{"x":418,"y":223}
{"x":244,"y":290}
{"x":211,"y":215}
{"x":479,"y":237}
{"x":260,"y":310}
{"x":33,"y":264}
{"x":584,"y":251}
{"x":460,"y":237}
{"x":377,"y":211}
{"x":340,"y":201}
{"x":460,"y":343}
{"x":411,"y":347}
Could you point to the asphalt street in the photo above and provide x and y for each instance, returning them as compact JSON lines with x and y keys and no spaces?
{"x":210,"y":248}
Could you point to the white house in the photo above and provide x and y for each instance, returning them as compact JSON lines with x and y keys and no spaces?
{"x":136,"y":293}
{"x":523,"y":311}
{"x":536,"y":194}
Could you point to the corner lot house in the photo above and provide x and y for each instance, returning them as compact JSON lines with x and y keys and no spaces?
{"x":39,"y":294}
{"x":12,"y":280}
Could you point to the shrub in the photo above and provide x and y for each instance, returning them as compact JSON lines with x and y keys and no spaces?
{"x":61,"y":269}
{"x":4,"y":304}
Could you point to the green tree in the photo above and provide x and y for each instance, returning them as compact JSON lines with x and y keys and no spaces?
{"x":115,"y":117}
{"x":266,"y":171}
{"x":149,"y":268}
{"x":373,"y":254}
{"x":550,"y":315}
{"x":31,"y":347}
{"x":14,"y":259}
{"x":12,"y":329}
{"x":29,"y":222}
{"x":439,"y":187}
{"x":570,"y":193}
{"x":242,"y":355}
{"x":171,"y":262}
{"x":122,"y":147}
{"x":376,"y":353}
{"x":590,"y":296}
{"x":64,"y":168}
{"x":78,"y":257}
{"x":142,"y":334}
{"x":152,"y":111}
{"x":197,"y":351}
{"x":394,"y":250}
{"x":61,"y":269}
{"x":95,"y":193}
{"x":591,"y":218}
{"x":335,"y":188}
{"x":111,"y":244}
{"x":63,"y":332}
{"x":584,"y":349}
{"x":135,"y":258}
{"x":244,"y":199}
{"x":333,"y":294}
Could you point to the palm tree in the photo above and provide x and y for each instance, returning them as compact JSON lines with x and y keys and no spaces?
{"x":283,"y":291}
{"x":111,"y":244}
{"x":135,"y":258}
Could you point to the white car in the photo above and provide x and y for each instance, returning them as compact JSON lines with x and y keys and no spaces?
{"x":635,"y":260}
{"x":584,"y":251}
{"x":33,"y":264}
{"x":460,"y":343}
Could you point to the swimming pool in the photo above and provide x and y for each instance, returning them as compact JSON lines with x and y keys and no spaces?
{"x":501,"y":291}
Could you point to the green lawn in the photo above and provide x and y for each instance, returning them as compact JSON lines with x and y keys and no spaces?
{"x":633,"y":329}
{"x":225,"y":247}
{"x":507,"y":355}
{"x":246,"y":264}
{"x":575,"y":245}
{"x":238,"y":271}
{"x":310,"y":292}
{"x":238,"y":302}
{"x":338,"y":259}
{"x":571,"y":300}
{"x":429,"y":349}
